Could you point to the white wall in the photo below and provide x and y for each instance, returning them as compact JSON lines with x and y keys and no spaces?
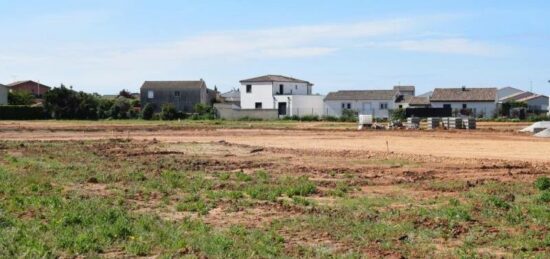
{"x":485,"y":108}
{"x":541,"y":101}
{"x":301,"y":105}
{"x":291,"y":88}
{"x":261,"y":92}
{"x":267,"y":92}
{"x":334,"y":108}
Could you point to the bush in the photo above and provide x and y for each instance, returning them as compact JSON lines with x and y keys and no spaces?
{"x":542,"y":183}
{"x":168,"y":112}
{"x":545,"y":196}
{"x":398,"y":115}
{"x":310,"y":118}
{"x":348,"y":115}
{"x":329,"y":118}
{"x":148,"y":111}
{"x":18,"y":112}
{"x":20,"y":98}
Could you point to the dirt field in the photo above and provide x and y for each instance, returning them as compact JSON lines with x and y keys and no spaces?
{"x":505,"y":143}
{"x":280,"y":191}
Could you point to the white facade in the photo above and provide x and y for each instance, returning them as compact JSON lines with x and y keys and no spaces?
{"x":301,"y":105}
{"x":290,"y":98}
{"x":377,"y":108}
{"x":485,"y":109}
{"x":265,"y":93}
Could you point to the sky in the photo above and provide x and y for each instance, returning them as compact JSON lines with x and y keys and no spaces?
{"x":104,"y":46}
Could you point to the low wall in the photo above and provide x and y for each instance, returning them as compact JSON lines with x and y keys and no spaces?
{"x":233,"y":112}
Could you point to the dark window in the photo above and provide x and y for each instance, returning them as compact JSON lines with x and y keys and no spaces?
{"x":447,"y":106}
{"x":281,"y":89}
{"x":177,"y":93}
{"x":349,"y":106}
{"x":258,"y":105}
{"x":343,"y":105}
{"x":383,"y":106}
{"x":464,"y":106}
{"x":249,"y":88}
{"x":400,"y":106}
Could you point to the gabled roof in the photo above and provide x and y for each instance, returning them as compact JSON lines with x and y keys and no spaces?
{"x":531,"y":97}
{"x":361,"y":95}
{"x":26,"y":81}
{"x":274,"y":78}
{"x":235,"y":93}
{"x":516,"y":96}
{"x":173,"y":84}
{"x":419,"y":101}
{"x":464,"y":94}
{"x":404,"y":87}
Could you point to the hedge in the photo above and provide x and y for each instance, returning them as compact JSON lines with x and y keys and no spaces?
{"x":21,"y":112}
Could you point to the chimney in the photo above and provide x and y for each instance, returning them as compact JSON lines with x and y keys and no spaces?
{"x":463,"y":88}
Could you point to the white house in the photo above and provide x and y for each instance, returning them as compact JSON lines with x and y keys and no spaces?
{"x":290,"y":96}
{"x":372,"y":102}
{"x":482,"y":102}
{"x":535,"y":102}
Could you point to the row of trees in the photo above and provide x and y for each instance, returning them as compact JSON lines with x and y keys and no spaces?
{"x":65,"y":103}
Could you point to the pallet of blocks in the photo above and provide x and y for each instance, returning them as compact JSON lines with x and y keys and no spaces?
{"x":454,"y":123}
{"x":433,"y":123}
{"x":469,"y":123}
{"x":413,"y":123}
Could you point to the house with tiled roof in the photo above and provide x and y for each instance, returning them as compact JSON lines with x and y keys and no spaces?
{"x":289,"y":96}
{"x":371,"y":102}
{"x":479,"y":102}
{"x":35,"y":88}
{"x":534,"y":102}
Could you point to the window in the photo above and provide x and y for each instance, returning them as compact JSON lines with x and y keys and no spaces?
{"x":383,"y":106}
{"x":400,"y":106}
{"x":296,"y":87}
{"x":447,"y":106}
{"x":258,"y":105}
{"x":349,"y":106}
{"x":177,"y":93}
{"x":281,"y":89}
{"x":249,"y":88}
{"x":346,"y":106}
{"x":464,"y":106}
{"x":150,"y":94}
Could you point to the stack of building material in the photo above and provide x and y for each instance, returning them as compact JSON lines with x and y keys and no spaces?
{"x":469,"y":123}
{"x":433,"y":123}
{"x":455,"y":123}
{"x":413,"y":123}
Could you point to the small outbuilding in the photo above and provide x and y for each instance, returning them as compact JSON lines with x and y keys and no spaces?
{"x":478,"y":102}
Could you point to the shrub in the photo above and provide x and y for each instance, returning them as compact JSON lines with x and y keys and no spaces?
{"x":329,"y":118}
{"x":19,"y":112}
{"x":20,"y":98}
{"x":545,"y":196}
{"x":398,"y":114}
{"x":148,"y":111}
{"x":542,"y":183}
{"x":310,"y":118}
{"x":168,"y":112}
{"x":348,"y":115}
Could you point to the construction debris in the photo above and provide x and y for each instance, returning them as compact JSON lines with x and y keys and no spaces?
{"x":540,"y":124}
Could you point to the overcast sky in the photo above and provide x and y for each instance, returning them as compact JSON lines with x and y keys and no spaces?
{"x":105,"y":46}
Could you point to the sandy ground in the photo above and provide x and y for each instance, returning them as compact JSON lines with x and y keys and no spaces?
{"x":497,"y":144}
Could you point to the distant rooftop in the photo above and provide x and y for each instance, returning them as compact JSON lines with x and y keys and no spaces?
{"x":275,"y":78}
{"x":464,"y":94}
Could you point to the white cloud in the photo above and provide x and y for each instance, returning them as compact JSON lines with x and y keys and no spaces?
{"x":459,"y":46}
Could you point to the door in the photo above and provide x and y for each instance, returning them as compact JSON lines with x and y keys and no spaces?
{"x":282,"y":108}
{"x":367,"y":108}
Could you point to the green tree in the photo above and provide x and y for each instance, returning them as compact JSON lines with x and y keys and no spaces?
{"x":148,"y":111}
{"x":168,"y":112}
{"x":20,"y":98}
